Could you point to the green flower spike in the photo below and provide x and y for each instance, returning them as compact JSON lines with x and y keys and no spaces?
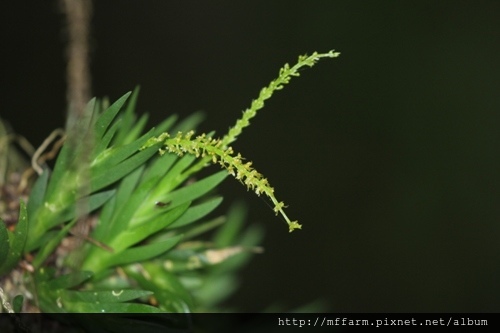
{"x":218,"y":150}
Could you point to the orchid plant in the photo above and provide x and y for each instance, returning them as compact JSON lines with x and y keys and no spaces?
{"x":140,"y":250}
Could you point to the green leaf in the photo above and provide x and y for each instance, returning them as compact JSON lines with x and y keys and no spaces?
{"x":158,"y":168}
{"x":17,"y":303}
{"x":174,"y":176}
{"x":44,"y":239}
{"x":135,"y":235}
{"x":68,"y":281}
{"x":82,"y":307}
{"x":215,"y":289}
{"x":52,"y":244}
{"x":201,"y":228}
{"x":38,"y":192}
{"x":109,"y":176}
{"x":189,"y":123}
{"x":115,"y":212}
{"x":184,"y":194}
{"x":143,"y":253}
{"x":107,"y":116}
{"x":102,"y":144}
{"x":132,"y":102}
{"x":114,"y":156}
{"x":128,"y":118}
{"x":17,"y":240}
{"x":168,"y":290}
{"x":44,"y":275}
{"x":4,"y":242}
{"x":71,"y":148}
{"x":226,"y":235}
{"x":195,"y":213}
{"x":165,"y":125}
{"x":128,"y":201}
{"x":251,"y":238}
{"x":94,"y":201}
{"x":106,"y":296}
{"x":195,"y":190}
{"x":135,"y":131}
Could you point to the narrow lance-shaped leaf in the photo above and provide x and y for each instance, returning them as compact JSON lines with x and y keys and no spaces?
{"x":197,"y":212}
{"x":104,"y":296}
{"x":69,"y":280}
{"x":142,"y":253}
{"x":107,"y":116}
{"x":38,"y":192}
{"x":17,"y":240}
{"x":52,"y":244}
{"x":111,"y":175}
{"x":4,"y":242}
{"x":71,"y":148}
{"x":179,"y":196}
{"x":98,"y":259}
{"x":83,"y":307}
{"x":135,"y":235}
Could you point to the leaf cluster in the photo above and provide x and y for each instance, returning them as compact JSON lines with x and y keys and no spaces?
{"x":148,"y":248}
{"x":149,"y":211}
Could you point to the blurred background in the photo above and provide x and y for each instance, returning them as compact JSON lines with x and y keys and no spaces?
{"x":388,"y":155}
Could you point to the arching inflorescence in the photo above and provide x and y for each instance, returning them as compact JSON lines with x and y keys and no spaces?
{"x":218,"y":150}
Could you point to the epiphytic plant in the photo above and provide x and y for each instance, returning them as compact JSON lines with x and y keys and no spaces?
{"x":142,"y":251}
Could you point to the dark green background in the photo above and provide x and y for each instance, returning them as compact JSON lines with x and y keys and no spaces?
{"x":388,"y":155}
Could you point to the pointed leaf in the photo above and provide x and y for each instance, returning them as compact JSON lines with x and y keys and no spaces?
{"x":106,"y":296}
{"x":195,"y":213}
{"x":174,"y":176}
{"x":52,"y":244}
{"x":132,"y":102}
{"x":4,"y":242}
{"x":109,"y":176}
{"x":183,"y":194}
{"x":136,"y":131}
{"x":111,"y":222}
{"x":68,"y":281}
{"x":189,"y":123}
{"x":17,"y":240}
{"x":72,"y":146}
{"x":44,"y":239}
{"x":82,"y":307}
{"x":128,"y":201}
{"x":103,"y":144}
{"x":38,"y":192}
{"x":159,"y":167}
{"x":226,"y":235}
{"x":168,"y":290}
{"x":114,"y":156}
{"x":107,"y":116}
{"x":143,"y":253}
{"x":94,"y":201}
{"x":165,"y":125}
{"x":135,"y":235}
{"x":196,"y":189}
{"x":251,"y":238}
{"x":128,"y":119}
{"x":201,"y":228}
{"x":216,"y":288}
